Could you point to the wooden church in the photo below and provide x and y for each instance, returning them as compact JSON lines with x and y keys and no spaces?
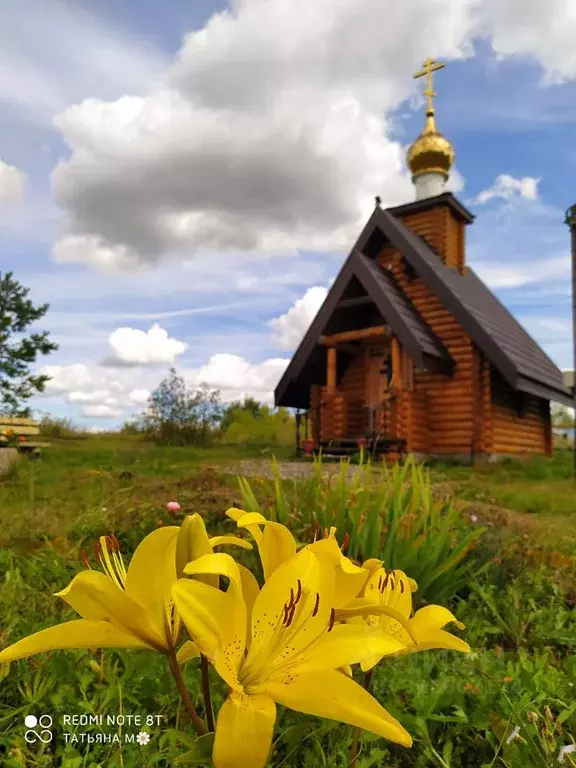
{"x":411,"y":352}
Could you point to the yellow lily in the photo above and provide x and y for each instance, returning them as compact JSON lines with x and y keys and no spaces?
{"x":276,"y":545}
{"x":386,"y":604}
{"x":275,"y":542}
{"x":126,"y":608}
{"x":280,"y":645}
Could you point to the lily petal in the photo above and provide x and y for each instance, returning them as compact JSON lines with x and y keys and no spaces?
{"x":270,"y":633}
{"x":205,"y":612}
{"x":79,"y":633}
{"x":231,"y":628}
{"x":346,"y":644}
{"x":188,"y":651}
{"x":216,"y":541}
{"x":335,"y":696}
{"x":244,"y":731}
{"x":253,"y":530}
{"x":277,"y":544}
{"x":193,"y":542}
{"x":96,"y":598}
{"x":426,"y":626}
{"x":150,"y":576}
{"x":350,"y":578}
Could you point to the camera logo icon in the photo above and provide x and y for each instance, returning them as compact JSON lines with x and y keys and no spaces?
{"x":38,"y":729}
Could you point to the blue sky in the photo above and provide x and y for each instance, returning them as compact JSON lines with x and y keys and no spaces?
{"x":182,"y":181}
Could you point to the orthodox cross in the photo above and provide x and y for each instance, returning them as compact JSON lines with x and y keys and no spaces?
{"x":429,"y":66}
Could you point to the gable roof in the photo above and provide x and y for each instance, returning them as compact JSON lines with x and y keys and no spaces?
{"x":501,"y":338}
{"x":309,"y":362}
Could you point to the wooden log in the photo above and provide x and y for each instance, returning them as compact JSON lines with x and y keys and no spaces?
{"x":19,"y":430}
{"x":397,"y":373}
{"x":331,"y":369}
{"x":12,"y":421}
{"x":357,"y":335}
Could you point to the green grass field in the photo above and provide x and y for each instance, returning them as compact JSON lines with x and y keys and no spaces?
{"x":460,"y":709}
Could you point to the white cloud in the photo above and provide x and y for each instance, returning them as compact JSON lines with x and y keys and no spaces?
{"x":102,"y":412}
{"x":55,"y":53}
{"x":236,"y":378}
{"x":12,"y":182}
{"x":66,"y":378}
{"x":98,"y":396}
{"x":514,"y":276}
{"x":270,"y":130}
{"x":543,"y":29}
{"x":259,"y":138}
{"x":290,"y":327}
{"x":131,"y":346}
{"x":139,"y":396}
{"x":509,"y":188}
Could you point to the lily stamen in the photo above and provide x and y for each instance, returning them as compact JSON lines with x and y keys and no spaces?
{"x":316,"y":529}
{"x":345,"y":542}
{"x":84,"y":558}
{"x":316,"y":605}
{"x":332,"y":617}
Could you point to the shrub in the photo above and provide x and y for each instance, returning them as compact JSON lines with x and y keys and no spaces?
{"x":389,"y":514}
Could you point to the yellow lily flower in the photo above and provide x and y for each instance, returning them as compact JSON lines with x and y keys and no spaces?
{"x":386,"y":604}
{"x":126,"y":608}
{"x":276,"y":545}
{"x":280,"y":645}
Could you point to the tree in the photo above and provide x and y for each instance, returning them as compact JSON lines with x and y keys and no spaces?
{"x":18,"y":352}
{"x":237,"y":408}
{"x":177,"y":415}
{"x":562,"y":416}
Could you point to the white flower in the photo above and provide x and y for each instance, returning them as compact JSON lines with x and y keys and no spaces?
{"x":143,"y":738}
{"x":514,"y":735}
{"x":474,"y":518}
{"x":565,"y":751}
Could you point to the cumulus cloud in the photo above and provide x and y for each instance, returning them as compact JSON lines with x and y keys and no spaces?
{"x":237,"y":378}
{"x":139,"y":396}
{"x":12,"y":181}
{"x":105,"y":393}
{"x":131,"y":346}
{"x":259,"y":138}
{"x":289,"y":328}
{"x":102,"y":411}
{"x":508,"y":188}
{"x":271,"y":130}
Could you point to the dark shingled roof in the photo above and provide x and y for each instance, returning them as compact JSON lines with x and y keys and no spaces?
{"x":393,"y":308}
{"x":512,"y":351}
{"x":515,"y":354}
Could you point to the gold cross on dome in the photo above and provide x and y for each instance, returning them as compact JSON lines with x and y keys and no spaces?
{"x":429,"y":66}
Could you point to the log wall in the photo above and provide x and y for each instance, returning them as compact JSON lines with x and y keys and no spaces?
{"x":519,"y":427}
{"x":448,"y":426}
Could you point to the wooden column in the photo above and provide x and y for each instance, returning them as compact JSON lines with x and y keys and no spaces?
{"x":397,"y":375}
{"x":331,"y":358}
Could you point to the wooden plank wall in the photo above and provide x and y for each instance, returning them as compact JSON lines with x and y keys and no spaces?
{"x":449,"y":401}
{"x":353,"y":387}
{"x":516,"y":434}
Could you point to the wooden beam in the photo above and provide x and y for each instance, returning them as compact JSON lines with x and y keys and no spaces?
{"x":358,"y":301}
{"x":397,"y":377}
{"x":361,"y":333}
{"x":331,"y":358}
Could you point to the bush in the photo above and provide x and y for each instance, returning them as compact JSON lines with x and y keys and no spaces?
{"x":389,"y":514}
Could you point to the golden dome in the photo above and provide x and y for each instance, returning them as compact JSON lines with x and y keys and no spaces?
{"x":431,"y":152}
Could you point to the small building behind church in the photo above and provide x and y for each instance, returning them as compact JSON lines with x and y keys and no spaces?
{"x":411,"y":353}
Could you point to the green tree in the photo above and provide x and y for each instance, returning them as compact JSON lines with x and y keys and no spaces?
{"x":177,"y":415}
{"x":237,"y":408}
{"x":18,"y":351}
{"x":562,"y":416}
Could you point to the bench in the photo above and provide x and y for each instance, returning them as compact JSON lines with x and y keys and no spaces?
{"x":25,"y":428}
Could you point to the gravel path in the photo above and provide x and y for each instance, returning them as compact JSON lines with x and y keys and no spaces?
{"x":289,"y":470}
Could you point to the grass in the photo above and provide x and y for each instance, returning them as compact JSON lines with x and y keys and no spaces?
{"x":461,"y":709}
